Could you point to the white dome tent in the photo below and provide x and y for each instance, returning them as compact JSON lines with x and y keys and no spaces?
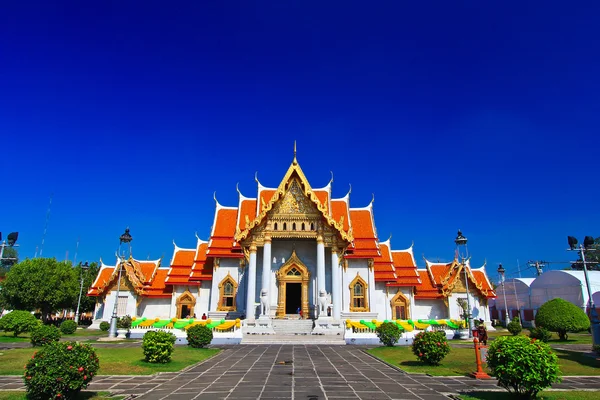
{"x":568,"y":285}
{"x":517,"y":297}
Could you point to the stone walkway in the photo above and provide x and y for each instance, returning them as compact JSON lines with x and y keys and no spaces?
{"x":293,"y":372}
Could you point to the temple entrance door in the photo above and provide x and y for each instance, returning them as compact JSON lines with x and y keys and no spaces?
{"x":185,"y":305}
{"x":292,"y":280}
{"x":293,"y":299}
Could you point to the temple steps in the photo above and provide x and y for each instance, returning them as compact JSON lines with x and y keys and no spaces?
{"x":293,"y":326}
{"x":293,"y":339}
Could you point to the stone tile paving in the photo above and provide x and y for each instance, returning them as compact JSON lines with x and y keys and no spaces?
{"x":299,"y":372}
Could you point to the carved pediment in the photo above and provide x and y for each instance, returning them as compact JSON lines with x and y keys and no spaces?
{"x":294,"y":202}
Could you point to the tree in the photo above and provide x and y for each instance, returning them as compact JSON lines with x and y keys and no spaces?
{"x":561,"y":316}
{"x":87,"y":303}
{"x":592,"y":258}
{"x":40,"y":283}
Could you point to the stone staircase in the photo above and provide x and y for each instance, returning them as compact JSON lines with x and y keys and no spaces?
{"x":293,"y":326}
{"x":293,"y":331}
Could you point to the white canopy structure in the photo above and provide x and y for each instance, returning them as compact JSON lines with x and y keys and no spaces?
{"x":568,"y":285}
{"x":517,"y":294}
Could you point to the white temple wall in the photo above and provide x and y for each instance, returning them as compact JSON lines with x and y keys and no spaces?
{"x":155,"y":308}
{"x":478,"y":308}
{"x":357,"y":267}
{"x":110,"y":304}
{"x":429,"y":309}
{"x":227,"y":266}
{"x":203,"y":299}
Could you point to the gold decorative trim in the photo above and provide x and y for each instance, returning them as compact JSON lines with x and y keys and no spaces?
{"x":283,"y":278}
{"x":186,"y":299}
{"x":400,"y":299}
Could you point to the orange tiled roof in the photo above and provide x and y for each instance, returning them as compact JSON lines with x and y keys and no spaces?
{"x":483,"y":284}
{"x":247,"y":209}
{"x":383,"y":266}
{"x":102,"y":279}
{"x":323,"y":197}
{"x":265,"y":196}
{"x":158,"y":287}
{"x":405,"y":268}
{"x":365,"y":240}
{"x":181,"y":266}
{"x":427,"y":289}
{"x":339,"y":209}
{"x":221,"y":242}
{"x":203,"y":267}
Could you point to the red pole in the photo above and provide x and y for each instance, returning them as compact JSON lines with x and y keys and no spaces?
{"x":480,"y":373}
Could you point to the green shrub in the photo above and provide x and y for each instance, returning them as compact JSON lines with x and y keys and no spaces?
{"x":522,"y":365}
{"x":68,"y":327}
{"x":104,"y":326}
{"x":561,"y":316}
{"x":158,"y":346}
{"x":44,"y":334}
{"x":18,"y":322}
{"x":430,"y":347}
{"x":514,"y":326}
{"x":199,"y":336}
{"x":540,"y":333}
{"x":388,"y":333}
{"x":124,"y":322}
{"x":60,"y":370}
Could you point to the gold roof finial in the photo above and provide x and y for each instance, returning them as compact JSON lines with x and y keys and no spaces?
{"x":295,"y":161}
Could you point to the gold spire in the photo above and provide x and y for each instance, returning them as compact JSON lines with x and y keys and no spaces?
{"x":295,"y":161}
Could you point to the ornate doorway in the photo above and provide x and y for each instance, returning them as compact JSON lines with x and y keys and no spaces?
{"x":185,"y":305}
{"x":292,"y":280}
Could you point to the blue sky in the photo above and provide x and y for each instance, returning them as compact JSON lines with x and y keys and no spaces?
{"x":476,"y":116}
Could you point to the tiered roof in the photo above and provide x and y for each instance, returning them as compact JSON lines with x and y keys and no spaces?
{"x":440,"y":279}
{"x":146,"y":278}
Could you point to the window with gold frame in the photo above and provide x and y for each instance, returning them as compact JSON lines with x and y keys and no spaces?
{"x":358,"y":295}
{"x":227,"y":293}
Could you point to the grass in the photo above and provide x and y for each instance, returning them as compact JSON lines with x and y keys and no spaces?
{"x":461,"y":361}
{"x":571,"y":395}
{"x":20,"y":395}
{"x":7,"y":337}
{"x":115,"y":360}
{"x":574,"y":338}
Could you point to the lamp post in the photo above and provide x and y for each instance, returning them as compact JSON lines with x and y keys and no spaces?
{"x":462,"y":241}
{"x":501,"y":272}
{"x":588,"y":245}
{"x":83,"y":267}
{"x":12,"y":240}
{"x":125,"y":238}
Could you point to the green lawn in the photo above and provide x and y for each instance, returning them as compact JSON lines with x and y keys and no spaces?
{"x":114,"y":360}
{"x":575,"y":395}
{"x":574,"y":338}
{"x":7,"y":337}
{"x":461,"y":361}
{"x":20,"y":395}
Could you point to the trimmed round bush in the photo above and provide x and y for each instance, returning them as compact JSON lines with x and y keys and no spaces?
{"x":522,"y":365}
{"x":68,"y":327}
{"x":45,"y":334}
{"x":158,"y":346}
{"x":514,"y":326}
{"x":104,"y":326}
{"x":199,"y":336}
{"x":430,"y":347}
{"x":561,"y":316}
{"x":388,"y":333}
{"x":540,"y":333}
{"x":124,"y":322}
{"x":18,"y":322}
{"x":60,"y":370}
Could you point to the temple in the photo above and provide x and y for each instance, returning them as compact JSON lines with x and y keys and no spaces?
{"x":291,"y":252}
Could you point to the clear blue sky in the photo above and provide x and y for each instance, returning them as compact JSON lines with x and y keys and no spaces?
{"x":468,"y":115}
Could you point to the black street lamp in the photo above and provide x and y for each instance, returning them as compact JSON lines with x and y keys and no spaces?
{"x":501,"y":271}
{"x":12,"y":242}
{"x":84,"y":267}
{"x":462,"y":241}
{"x":124,"y":238}
{"x":588,"y":245}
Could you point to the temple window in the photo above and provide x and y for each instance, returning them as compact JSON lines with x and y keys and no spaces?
{"x":227,"y":293}
{"x":284,"y":226}
{"x":275,"y":226}
{"x":358,"y":295}
{"x":400,"y":306}
{"x":294,"y":226}
{"x":312,"y":226}
{"x":303,"y":226}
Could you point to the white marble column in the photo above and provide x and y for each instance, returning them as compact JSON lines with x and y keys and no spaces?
{"x":320,"y":270}
{"x":266,"y":269}
{"x":251,"y":294}
{"x":336,"y":284}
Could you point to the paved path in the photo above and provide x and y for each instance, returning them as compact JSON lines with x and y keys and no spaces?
{"x":293,"y":372}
